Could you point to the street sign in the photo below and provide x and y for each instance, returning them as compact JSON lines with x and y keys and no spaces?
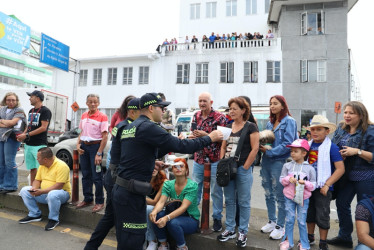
{"x":338,"y":107}
{"x":14,"y":35}
{"x":75,"y":106}
{"x":54,"y":53}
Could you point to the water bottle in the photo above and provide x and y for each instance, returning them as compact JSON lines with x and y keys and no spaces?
{"x":98,"y":168}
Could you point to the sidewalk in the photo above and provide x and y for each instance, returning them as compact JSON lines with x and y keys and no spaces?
{"x":84,"y":217}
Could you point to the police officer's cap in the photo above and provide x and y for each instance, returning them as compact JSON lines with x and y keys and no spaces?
{"x":134,"y":104}
{"x":152,"y":99}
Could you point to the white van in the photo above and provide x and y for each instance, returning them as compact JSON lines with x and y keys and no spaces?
{"x":183,"y":123}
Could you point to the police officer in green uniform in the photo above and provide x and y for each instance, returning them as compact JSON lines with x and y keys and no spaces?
{"x":107,"y":221}
{"x":142,"y":142}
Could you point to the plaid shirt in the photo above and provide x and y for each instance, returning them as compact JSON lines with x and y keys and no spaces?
{"x":212,"y":152}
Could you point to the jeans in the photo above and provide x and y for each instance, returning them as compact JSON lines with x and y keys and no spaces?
{"x":270,"y":173}
{"x":215,"y":190}
{"x":54,"y":199}
{"x":8,"y":169}
{"x":150,"y":234}
{"x":362,"y":247}
{"x":107,"y":221}
{"x":343,"y":204}
{"x":291,"y":208}
{"x":241,"y":188}
{"x":177,"y":227}
{"x":89,"y":174}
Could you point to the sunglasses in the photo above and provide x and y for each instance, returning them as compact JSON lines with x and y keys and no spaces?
{"x":160,"y":106}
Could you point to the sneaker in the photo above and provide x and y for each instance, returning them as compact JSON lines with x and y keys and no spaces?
{"x":241,"y":241}
{"x":51,"y":225}
{"x":226,"y":235}
{"x":182,"y":248}
{"x":268,"y":228}
{"x":300,"y":247}
{"x":29,"y":219}
{"x":164,"y":247}
{"x":284,"y":245}
{"x":311,"y":239}
{"x":217,"y":225}
{"x":277,"y":233}
{"x":152,"y":245}
{"x":323,"y":246}
{"x":337,"y":241}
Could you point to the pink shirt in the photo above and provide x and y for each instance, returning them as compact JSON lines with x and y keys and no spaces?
{"x":93,"y":125}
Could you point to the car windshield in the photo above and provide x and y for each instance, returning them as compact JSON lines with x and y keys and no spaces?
{"x":185,"y":122}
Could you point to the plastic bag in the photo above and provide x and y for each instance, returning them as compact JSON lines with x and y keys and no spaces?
{"x":299,"y":194}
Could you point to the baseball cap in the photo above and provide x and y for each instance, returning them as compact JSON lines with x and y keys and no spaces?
{"x":37,"y":93}
{"x":134,"y":104}
{"x":300,"y":143}
{"x":151,"y":99}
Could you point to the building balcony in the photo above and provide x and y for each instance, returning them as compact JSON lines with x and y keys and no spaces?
{"x":202,"y":47}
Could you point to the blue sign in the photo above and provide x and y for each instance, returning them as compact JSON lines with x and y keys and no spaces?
{"x":54,"y":53}
{"x":14,"y":35}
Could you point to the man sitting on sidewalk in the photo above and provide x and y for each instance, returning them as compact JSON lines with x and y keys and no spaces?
{"x":51,"y":186}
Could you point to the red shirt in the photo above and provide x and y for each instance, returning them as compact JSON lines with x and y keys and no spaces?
{"x":212,"y":152}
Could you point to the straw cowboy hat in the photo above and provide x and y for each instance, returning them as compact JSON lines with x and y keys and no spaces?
{"x":321,"y":121}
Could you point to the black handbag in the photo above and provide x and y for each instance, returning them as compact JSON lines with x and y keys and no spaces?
{"x":228,"y":167}
{"x":173,"y":205}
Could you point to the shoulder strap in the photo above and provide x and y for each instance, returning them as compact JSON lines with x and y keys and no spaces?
{"x":241,"y":141}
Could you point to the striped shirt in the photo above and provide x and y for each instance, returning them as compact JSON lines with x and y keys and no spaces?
{"x":92,"y":126}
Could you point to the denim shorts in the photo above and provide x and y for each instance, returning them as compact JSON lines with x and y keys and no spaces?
{"x":319,"y":209}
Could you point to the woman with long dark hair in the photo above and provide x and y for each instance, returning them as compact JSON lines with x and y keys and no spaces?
{"x":355,"y":139}
{"x":285,"y":131}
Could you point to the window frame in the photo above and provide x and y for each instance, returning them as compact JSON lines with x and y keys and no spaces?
{"x":202,"y":78}
{"x":304,"y":22}
{"x":183,"y":73}
{"x":320,"y":70}
{"x":142,"y":73}
{"x":129,"y":76}
{"x":273,"y":71}
{"x":97,"y":77}
{"x":195,"y":9}
{"x":231,"y":6}
{"x":83,"y":77}
{"x":229,"y":72}
{"x":209,"y":13}
{"x":251,"y":7}
{"x":252,"y":70}
{"x":112,"y":76}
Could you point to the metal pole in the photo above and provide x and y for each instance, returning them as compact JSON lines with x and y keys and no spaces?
{"x":204,"y":229}
{"x":75,"y":188}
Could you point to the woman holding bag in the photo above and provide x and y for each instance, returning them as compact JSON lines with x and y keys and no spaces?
{"x":240,"y":187}
{"x":355,"y":139}
{"x":184,"y":219}
{"x":11,"y":117}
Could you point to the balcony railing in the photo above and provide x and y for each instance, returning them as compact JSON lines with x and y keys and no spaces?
{"x":225,"y":45}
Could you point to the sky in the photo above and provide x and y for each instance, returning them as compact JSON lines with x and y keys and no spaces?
{"x":94,"y":28}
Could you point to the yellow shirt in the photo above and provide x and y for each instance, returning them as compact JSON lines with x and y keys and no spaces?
{"x":58,"y":172}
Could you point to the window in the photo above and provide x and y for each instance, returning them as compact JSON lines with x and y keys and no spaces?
{"x":79,"y":115}
{"x":227,"y":72}
{"x":251,"y":7}
{"x":83,"y":77}
{"x":109,"y":113}
{"x":195,"y":11}
{"x":273,"y":71}
{"x":312,"y":23}
{"x":143,"y":75}
{"x":12,"y":81}
{"x":127,"y":76}
{"x":251,"y":71}
{"x":211,"y":8}
{"x":313,"y":71}
{"x":267,"y":6}
{"x":97,"y":76}
{"x":231,"y":6}
{"x":183,"y":73}
{"x":202,"y":73}
{"x":112,"y":76}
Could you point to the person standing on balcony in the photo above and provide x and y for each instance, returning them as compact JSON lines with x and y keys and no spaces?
{"x":35,"y":136}
{"x":206,"y":121}
{"x":212,"y":38}
{"x":90,"y":145}
{"x":194,"y":41}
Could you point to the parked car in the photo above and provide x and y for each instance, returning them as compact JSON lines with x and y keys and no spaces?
{"x":64,"y":151}
{"x":72,"y":133}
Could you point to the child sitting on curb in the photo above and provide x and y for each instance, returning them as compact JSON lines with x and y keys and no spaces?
{"x":299,"y":180}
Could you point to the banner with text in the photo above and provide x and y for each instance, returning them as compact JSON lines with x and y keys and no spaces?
{"x":14,"y":35}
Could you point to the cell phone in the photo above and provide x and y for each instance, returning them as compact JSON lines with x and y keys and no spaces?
{"x":31,"y":191}
{"x":193,"y":126}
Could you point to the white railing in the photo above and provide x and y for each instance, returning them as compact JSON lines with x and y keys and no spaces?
{"x":234,"y":44}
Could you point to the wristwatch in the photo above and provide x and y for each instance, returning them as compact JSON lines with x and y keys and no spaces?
{"x":359,"y":152}
{"x":99,"y":154}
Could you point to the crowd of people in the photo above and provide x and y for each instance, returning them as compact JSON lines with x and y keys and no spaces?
{"x":300,"y":177}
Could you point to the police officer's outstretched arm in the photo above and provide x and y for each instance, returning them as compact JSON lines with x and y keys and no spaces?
{"x":168,"y":143}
